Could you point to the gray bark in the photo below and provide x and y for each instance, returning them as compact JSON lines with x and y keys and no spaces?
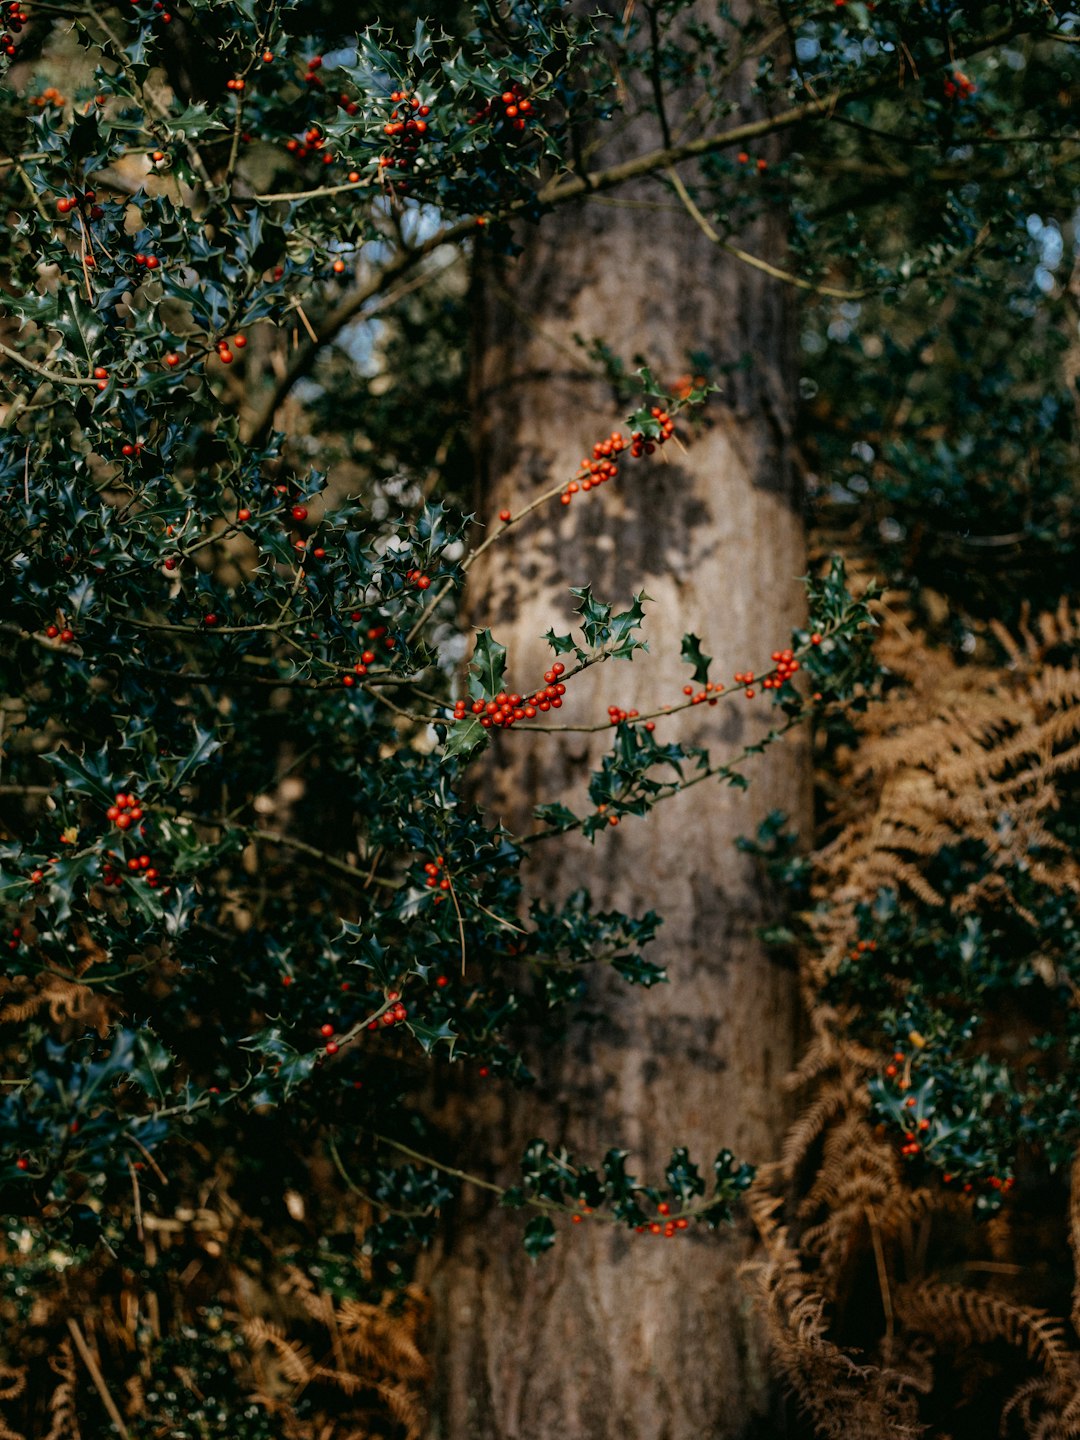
{"x":615,"y":1334}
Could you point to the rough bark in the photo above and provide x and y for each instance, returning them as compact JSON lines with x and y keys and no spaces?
{"x":613,"y":1334}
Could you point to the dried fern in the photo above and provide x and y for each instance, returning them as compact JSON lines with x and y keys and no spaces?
{"x":951,"y":751}
{"x":65,"y":1421}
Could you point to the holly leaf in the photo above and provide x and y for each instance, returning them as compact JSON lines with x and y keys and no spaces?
{"x":564,"y":644}
{"x":430,"y":1035}
{"x":487,"y":667}
{"x":204,"y":747}
{"x":693,"y":654}
{"x":371,"y":955}
{"x":149,"y":1061}
{"x":557,"y":815}
{"x":595,"y":617}
{"x":288,"y":1066}
{"x":89,"y":774}
{"x":539,"y":1236}
{"x":623,"y":625}
{"x":466,"y":737}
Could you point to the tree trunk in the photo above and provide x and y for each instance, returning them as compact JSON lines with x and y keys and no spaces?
{"x":614,"y":1334}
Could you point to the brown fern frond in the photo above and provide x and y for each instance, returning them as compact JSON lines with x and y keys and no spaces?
{"x":64,"y":1419}
{"x":294,"y":1358}
{"x":13,"y":1380}
{"x":830,"y":1102}
{"x":964,"y":1315}
{"x":843,"y":1399}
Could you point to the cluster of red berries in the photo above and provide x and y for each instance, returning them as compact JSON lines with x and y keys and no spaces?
{"x":642,"y":445}
{"x":326,"y":1030}
{"x":618,"y":716}
{"x":506,"y":709}
{"x":406,"y":130}
{"x":159,"y":11}
{"x":512,"y":109}
{"x":700,"y":697}
{"x":666,"y":1227}
{"x":436,"y":878}
{"x":374,"y":632}
{"x":313,"y":143}
{"x":368,"y":656}
{"x":958,"y":87}
{"x":994,"y":1182}
{"x":13,"y":17}
{"x":125,"y":811}
{"x":898,"y":1058}
{"x":139,"y":867}
{"x":16,"y":936}
{"x":147,"y":262}
{"x":131,"y":450}
{"x":602,"y":465}
{"x":110,"y":873}
{"x":311,"y":76}
{"x":744,"y":159}
{"x":65,"y":636}
{"x":786,"y":666}
{"x":50,"y":96}
{"x":144,"y":867}
{"x":419,"y":579}
{"x":394,"y":1015}
{"x":86,"y":201}
{"x":236,"y":85}
{"x":224,"y":349}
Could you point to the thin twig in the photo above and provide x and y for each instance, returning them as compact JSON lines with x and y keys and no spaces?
{"x":752,"y":260}
{"x":883,"y":1283}
{"x":97,"y":1377}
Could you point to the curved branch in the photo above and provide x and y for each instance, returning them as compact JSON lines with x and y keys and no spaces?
{"x":574,"y":187}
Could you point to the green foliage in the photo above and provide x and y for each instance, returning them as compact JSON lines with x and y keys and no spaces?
{"x":209,"y":622}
